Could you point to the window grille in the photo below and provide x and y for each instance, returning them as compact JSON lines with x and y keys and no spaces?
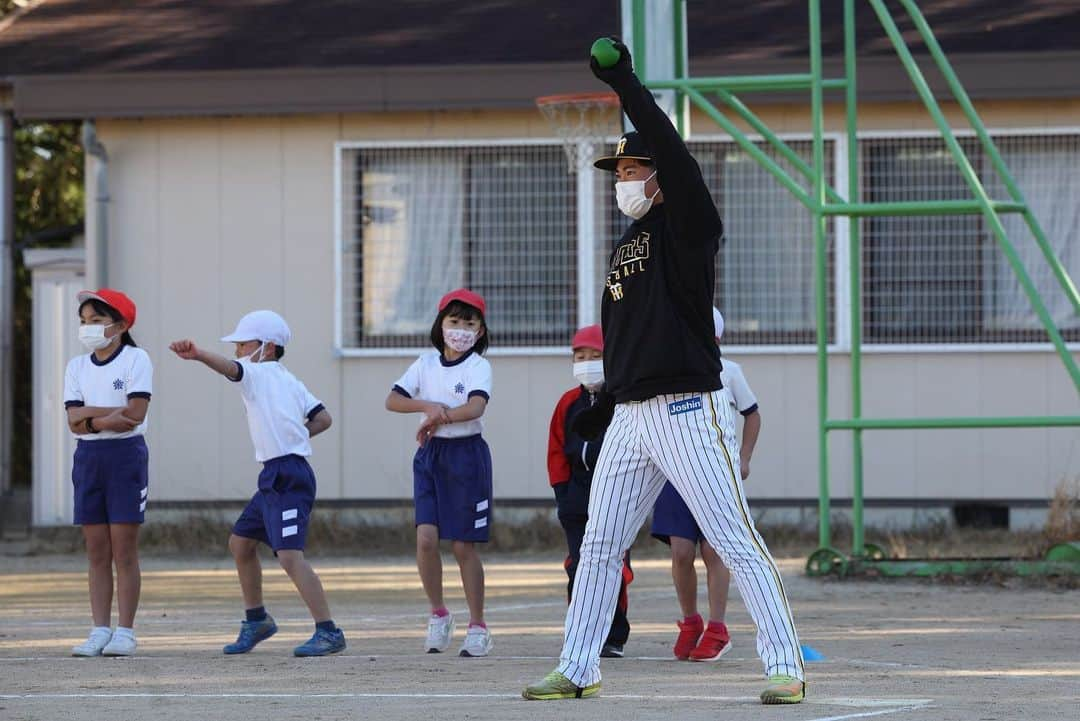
{"x":420,"y":221}
{"x":945,"y":279}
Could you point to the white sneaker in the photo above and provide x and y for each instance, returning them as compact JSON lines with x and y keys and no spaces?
{"x":440,"y":631}
{"x":477,"y":642}
{"x":122,"y":644}
{"x":92,"y":646}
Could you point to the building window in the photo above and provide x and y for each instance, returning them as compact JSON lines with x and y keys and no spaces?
{"x":502,"y":218}
{"x":945,"y":279}
{"x":417,"y":222}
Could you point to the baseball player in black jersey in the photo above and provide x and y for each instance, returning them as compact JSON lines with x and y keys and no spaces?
{"x":664,"y":416}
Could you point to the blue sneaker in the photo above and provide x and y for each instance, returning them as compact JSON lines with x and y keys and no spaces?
{"x":251,"y":632}
{"x":323,"y":643}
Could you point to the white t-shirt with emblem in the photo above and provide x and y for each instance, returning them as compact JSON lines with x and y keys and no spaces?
{"x":453,"y":383}
{"x":740,"y":395}
{"x":88,"y":381}
{"x":278,"y":405}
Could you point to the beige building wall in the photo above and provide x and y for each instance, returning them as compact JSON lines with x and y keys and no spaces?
{"x":211,"y":218}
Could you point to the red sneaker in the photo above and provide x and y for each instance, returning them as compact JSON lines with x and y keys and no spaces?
{"x":690,"y":631}
{"x":714,"y":643}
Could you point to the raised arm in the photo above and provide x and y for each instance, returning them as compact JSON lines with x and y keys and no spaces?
{"x":678,"y":173}
{"x":187,"y":350}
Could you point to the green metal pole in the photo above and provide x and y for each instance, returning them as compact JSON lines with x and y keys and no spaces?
{"x":966,"y":105}
{"x":750,"y":83}
{"x":682,"y":111}
{"x":879,"y":424}
{"x":855,"y":280}
{"x":817,"y":112}
{"x":775,"y":141}
{"x":638,"y":44}
{"x":748,"y":145}
{"x":922,"y":207}
{"x":976,"y":187}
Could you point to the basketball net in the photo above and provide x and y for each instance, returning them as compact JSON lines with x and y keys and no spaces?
{"x":582,"y":121}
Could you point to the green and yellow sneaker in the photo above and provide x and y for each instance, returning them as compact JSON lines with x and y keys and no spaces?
{"x":555,"y":686}
{"x":783,"y":689}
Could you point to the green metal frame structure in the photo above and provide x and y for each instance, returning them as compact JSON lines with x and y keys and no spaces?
{"x":824,"y":201}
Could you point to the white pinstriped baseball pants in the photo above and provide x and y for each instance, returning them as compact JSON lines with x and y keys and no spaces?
{"x":688,"y":439}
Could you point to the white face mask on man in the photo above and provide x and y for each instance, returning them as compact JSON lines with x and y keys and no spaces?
{"x":93,"y":336}
{"x":460,"y":339}
{"x":630,"y":195}
{"x":589,"y":373}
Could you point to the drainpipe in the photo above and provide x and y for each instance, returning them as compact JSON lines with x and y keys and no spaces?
{"x":7,"y":293}
{"x":93,"y":147}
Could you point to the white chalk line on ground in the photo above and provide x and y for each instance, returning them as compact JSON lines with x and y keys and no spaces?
{"x":893,"y":705}
{"x":867,"y":714}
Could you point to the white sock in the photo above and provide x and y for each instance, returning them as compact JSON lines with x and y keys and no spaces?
{"x":103,"y":629}
{"x":122,"y":631}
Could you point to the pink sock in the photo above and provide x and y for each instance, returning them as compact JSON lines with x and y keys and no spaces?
{"x":696,"y":618}
{"x":481,"y":624}
{"x":440,"y":612}
{"x":717,"y":625}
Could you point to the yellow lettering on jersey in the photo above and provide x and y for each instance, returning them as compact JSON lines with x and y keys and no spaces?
{"x":616,"y":291}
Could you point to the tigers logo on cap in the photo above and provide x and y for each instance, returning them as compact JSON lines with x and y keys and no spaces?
{"x":630,"y":145}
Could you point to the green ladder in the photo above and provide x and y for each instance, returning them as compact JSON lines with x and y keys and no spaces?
{"x":824,"y":201}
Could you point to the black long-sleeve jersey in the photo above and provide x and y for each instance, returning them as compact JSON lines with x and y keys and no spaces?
{"x":658,"y":297}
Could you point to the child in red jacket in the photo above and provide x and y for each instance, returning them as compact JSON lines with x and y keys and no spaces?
{"x":571,"y":460}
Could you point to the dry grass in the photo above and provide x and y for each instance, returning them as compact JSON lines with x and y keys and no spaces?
{"x":342,"y":533}
{"x":1063,"y":518}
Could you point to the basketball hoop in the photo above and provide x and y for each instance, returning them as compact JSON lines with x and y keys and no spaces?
{"x":580,"y":120}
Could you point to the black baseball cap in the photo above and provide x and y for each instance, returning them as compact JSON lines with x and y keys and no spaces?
{"x":630,"y":145}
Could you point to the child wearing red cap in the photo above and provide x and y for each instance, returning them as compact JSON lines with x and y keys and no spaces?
{"x":451,"y":386}
{"x":571,"y":460}
{"x":107,"y":395}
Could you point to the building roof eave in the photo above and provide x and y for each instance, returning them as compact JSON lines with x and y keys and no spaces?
{"x":490,"y":87}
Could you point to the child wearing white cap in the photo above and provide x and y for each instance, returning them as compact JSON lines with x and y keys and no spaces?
{"x":282,"y":417}
{"x":675,"y":525}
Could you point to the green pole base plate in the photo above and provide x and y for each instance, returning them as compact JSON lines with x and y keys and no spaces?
{"x":1064,"y":552}
{"x":825,"y":561}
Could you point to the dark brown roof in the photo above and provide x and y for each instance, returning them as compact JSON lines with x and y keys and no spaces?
{"x":109,"y":36}
{"x":64,"y":36}
{"x":83,"y":57}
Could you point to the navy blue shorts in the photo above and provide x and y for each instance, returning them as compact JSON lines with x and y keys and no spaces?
{"x":452,"y":487}
{"x":279,"y":512}
{"x":672,"y":517}
{"x":111,"y":480}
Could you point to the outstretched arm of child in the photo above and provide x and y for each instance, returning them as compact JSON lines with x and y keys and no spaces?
{"x":187,"y":350}
{"x":750,"y":430}
{"x":319,"y":423}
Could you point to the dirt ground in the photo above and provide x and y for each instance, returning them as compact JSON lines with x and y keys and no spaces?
{"x":906,"y":650}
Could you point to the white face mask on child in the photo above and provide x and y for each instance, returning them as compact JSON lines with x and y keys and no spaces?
{"x":589,"y":373}
{"x":460,"y":339}
{"x":257,"y":355}
{"x":93,"y":336}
